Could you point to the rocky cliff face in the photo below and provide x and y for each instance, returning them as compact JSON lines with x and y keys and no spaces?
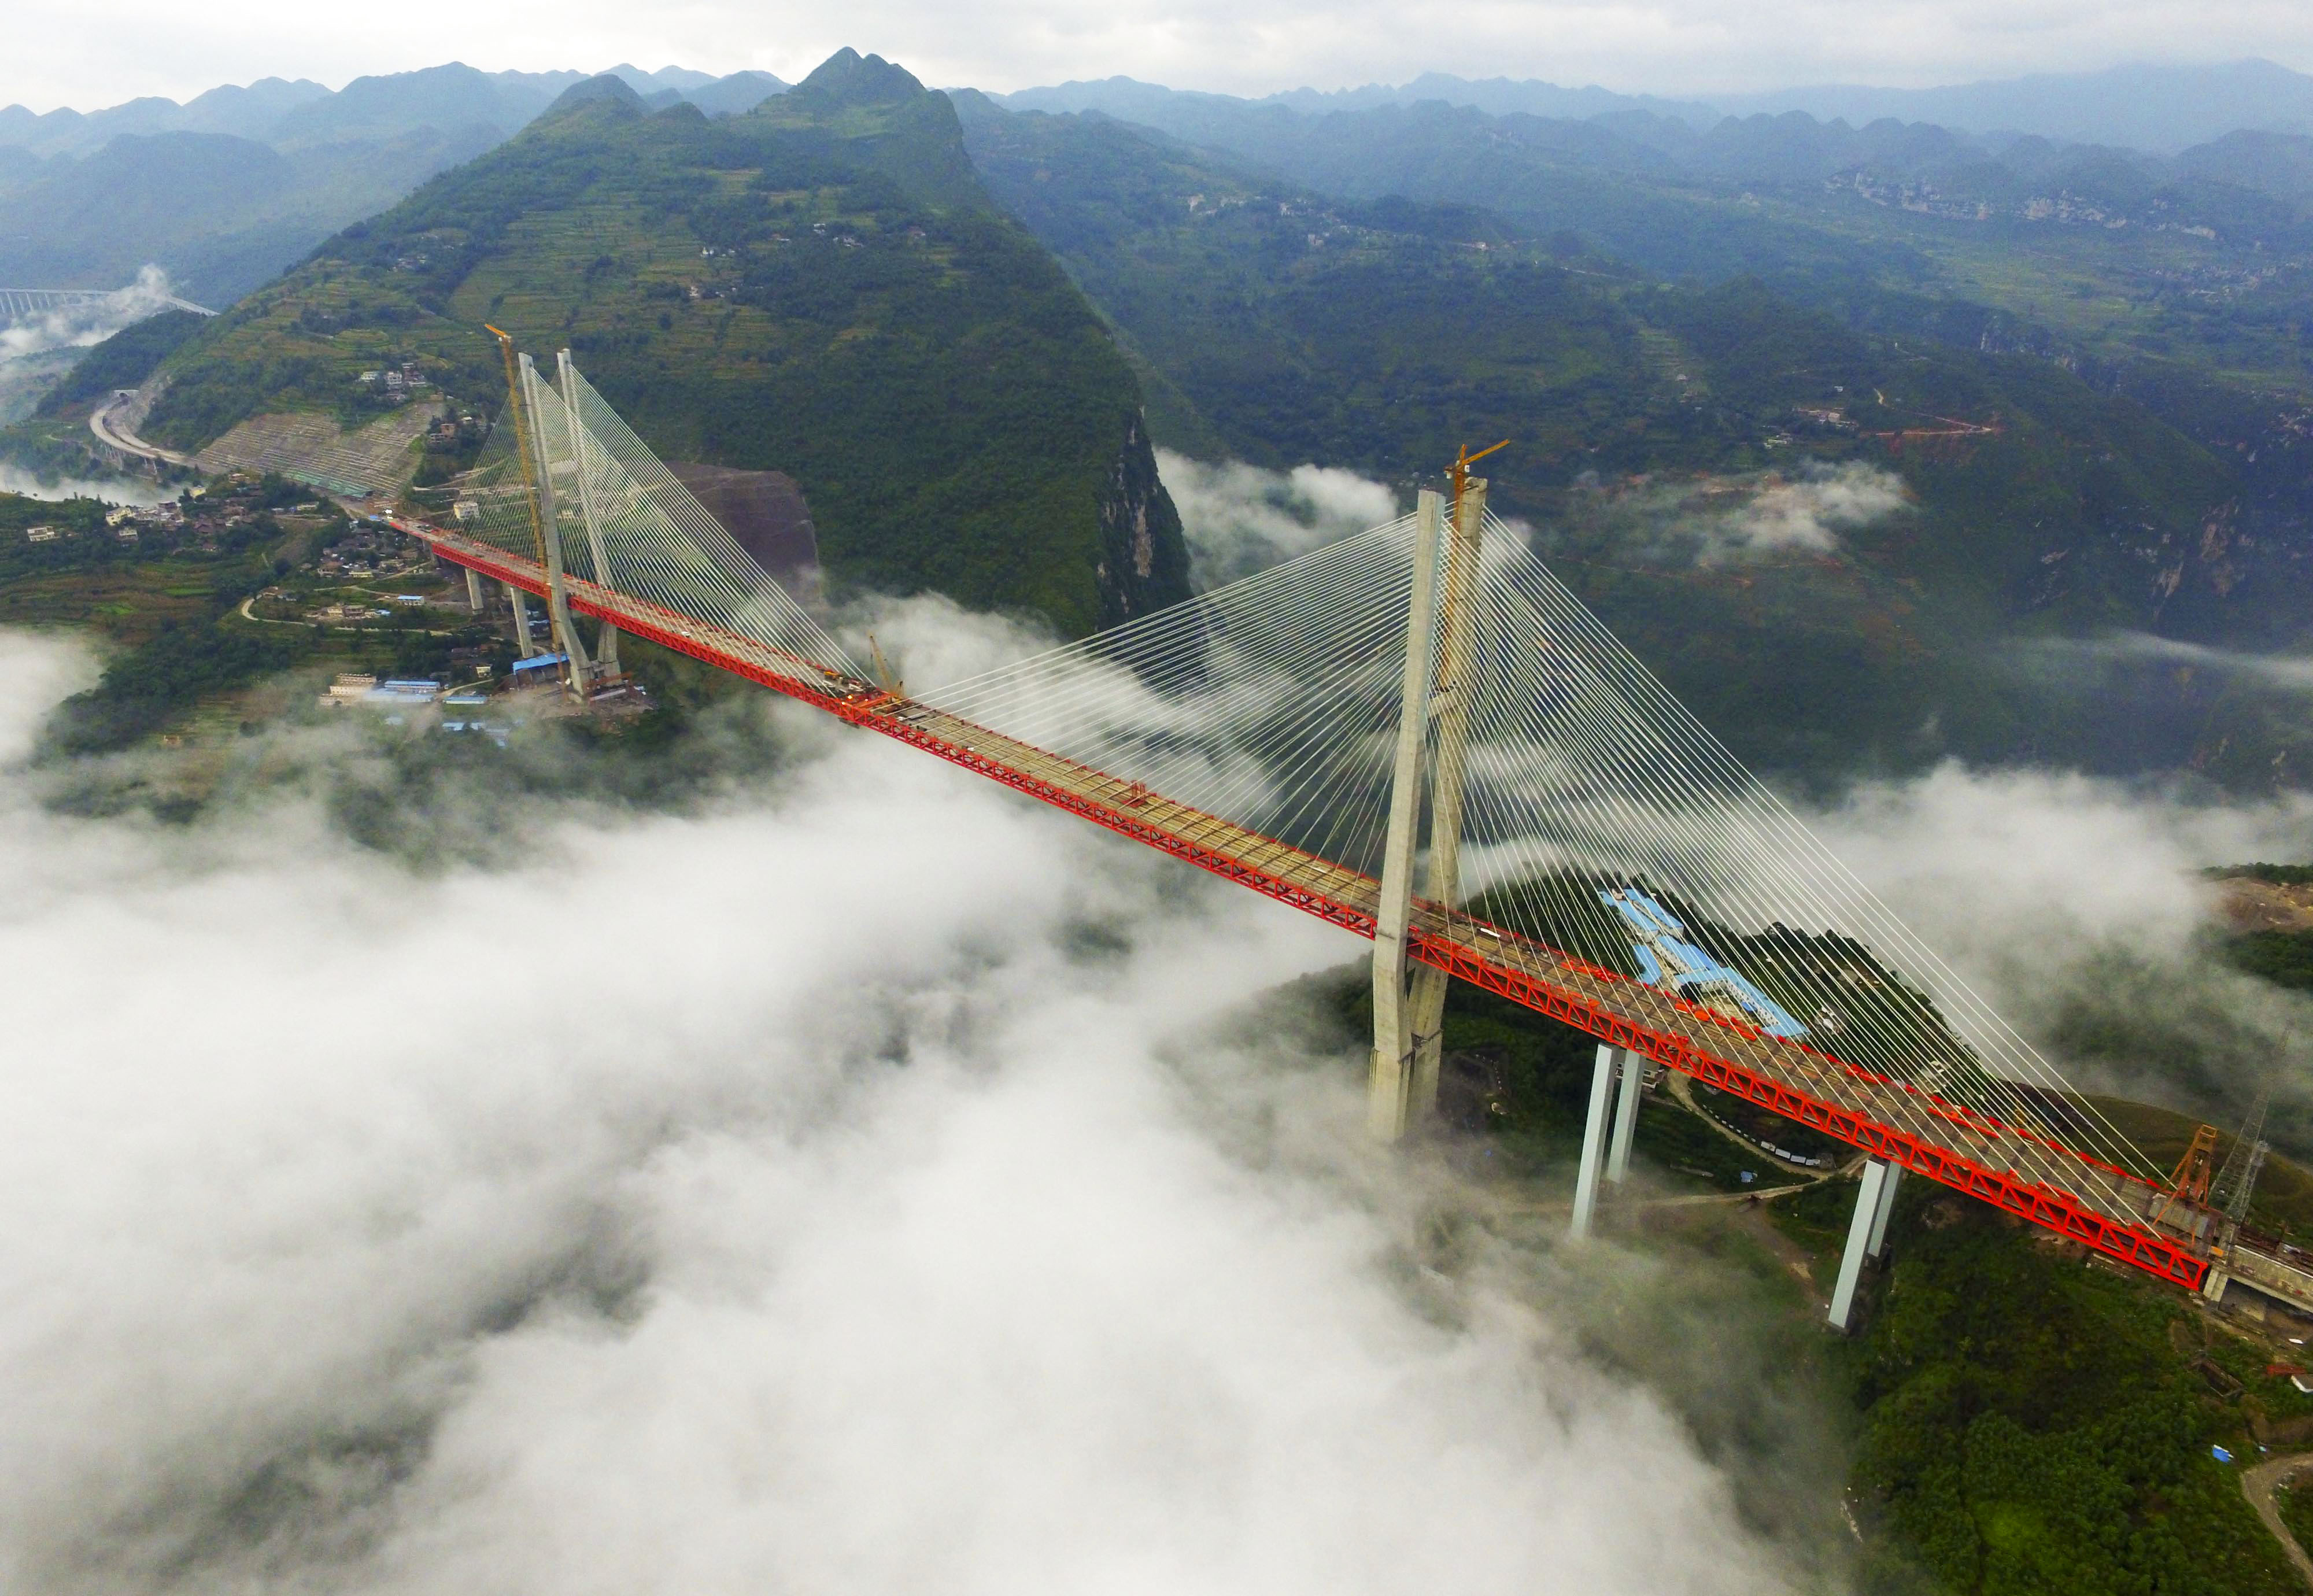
{"x":1144,"y":560}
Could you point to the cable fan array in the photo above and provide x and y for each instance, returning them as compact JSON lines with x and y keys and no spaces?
{"x":1272,"y":702}
{"x":624,"y":520}
{"x":1600,"y":817}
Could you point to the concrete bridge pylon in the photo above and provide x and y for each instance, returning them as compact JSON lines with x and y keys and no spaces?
{"x":1440,"y":652}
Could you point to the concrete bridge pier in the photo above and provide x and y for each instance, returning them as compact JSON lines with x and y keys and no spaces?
{"x":474,"y":599}
{"x":1626,"y":1114}
{"x":520,"y":601}
{"x":1409,"y":1002}
{"x":1606,"y":1154}
{"x":1867,"y":1237}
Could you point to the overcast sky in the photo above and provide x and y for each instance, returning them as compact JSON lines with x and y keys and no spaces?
{"x":66,"y":52}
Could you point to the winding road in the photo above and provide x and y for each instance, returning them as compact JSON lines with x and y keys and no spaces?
{"x":114,"y":434}
{"x":2258,"y":1484}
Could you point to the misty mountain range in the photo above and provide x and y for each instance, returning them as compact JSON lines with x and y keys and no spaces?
{"x":236,"y":185}
{"x":303,"y":114}
{"x":233,"y":186}
{"x":2161,"y":109}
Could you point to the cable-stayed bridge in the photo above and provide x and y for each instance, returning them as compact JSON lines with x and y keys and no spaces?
{"x":30,"y":305}
{"x":1419,"y":735}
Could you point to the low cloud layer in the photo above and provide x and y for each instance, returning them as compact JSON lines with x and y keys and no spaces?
{"x":2078,"y":908}
{"x":111,"y":489}
{"x":2292,"y":673}
{"x":37,"y":352}
{"x":1241,"y":518}
{"x":868,"y":1182}
{"x":1807,"y":511}
{"x":87,"y":321}
{"x":1727,"y":520}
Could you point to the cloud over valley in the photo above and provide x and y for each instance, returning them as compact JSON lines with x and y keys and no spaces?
{"x":861,"y":1181}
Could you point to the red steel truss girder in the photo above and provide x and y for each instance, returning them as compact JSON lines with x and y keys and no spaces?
{"x":682,"y":633}
{"x":2043,"y":1205}
{"x":2040,"y":1204}
{"x":1224,"y":865}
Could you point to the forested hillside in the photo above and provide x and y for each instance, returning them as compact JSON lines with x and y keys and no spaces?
{"x":820,"y":286}
{"x":1846,"y":537}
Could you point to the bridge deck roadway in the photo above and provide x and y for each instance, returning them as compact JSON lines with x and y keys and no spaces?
{"x":2013,"y":1168}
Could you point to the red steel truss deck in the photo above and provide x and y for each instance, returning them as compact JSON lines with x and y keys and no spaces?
{"x":2102,"y":1207}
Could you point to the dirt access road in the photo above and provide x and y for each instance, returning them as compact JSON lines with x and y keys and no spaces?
{"x":2258,"y":1484}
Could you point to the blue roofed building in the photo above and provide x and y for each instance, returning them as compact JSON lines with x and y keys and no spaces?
{"x":1670,"y":960}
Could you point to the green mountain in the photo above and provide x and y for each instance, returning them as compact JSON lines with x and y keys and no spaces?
{"x":220,"y":213}
{"x":820,"y":286}
{"x":123,"y":360}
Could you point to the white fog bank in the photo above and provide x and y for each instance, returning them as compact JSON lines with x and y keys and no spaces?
{"x":860,"y":1186}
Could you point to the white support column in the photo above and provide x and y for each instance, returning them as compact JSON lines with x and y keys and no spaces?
{"x":1388,"y":1084}
{"x":1450,"y":709}
{"x":1859,"y":1240}
{"x":558,"y":601}
{"x":1593,"y":1143}
{"x":474,"y":589}
{"x":607,"y":641}
{"x":1887,"y":1209}
{"x":1626,"y":1113}
{"x":520,"y":601}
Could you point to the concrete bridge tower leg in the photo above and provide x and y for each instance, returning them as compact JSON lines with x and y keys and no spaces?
{"x":1626,"y":1114}
{"x":558,"y":600}
{"x":606,"y":644}
{"x":1885,"y":1210}
{"x":1872,"y":1202}
{"x":520,"y":601}
{"x":1449,"y":709}
{"x":1594,"y":1140}
{"x":1389,"y":1084}
{"x":474,"y":589}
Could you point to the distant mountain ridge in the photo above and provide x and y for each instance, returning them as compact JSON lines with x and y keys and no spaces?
{"x":276,"y":111}
{"x":2157,"y":108}
{"x":1562,"y":172}
{"x":2161,"y":108}
{"x":228,"y":189}
{"x":1370,"y":288}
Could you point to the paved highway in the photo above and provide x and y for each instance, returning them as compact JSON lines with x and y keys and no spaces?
{"x":104,"y":421}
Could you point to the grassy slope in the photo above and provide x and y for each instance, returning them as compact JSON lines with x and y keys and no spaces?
{"x":949,"y":402}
